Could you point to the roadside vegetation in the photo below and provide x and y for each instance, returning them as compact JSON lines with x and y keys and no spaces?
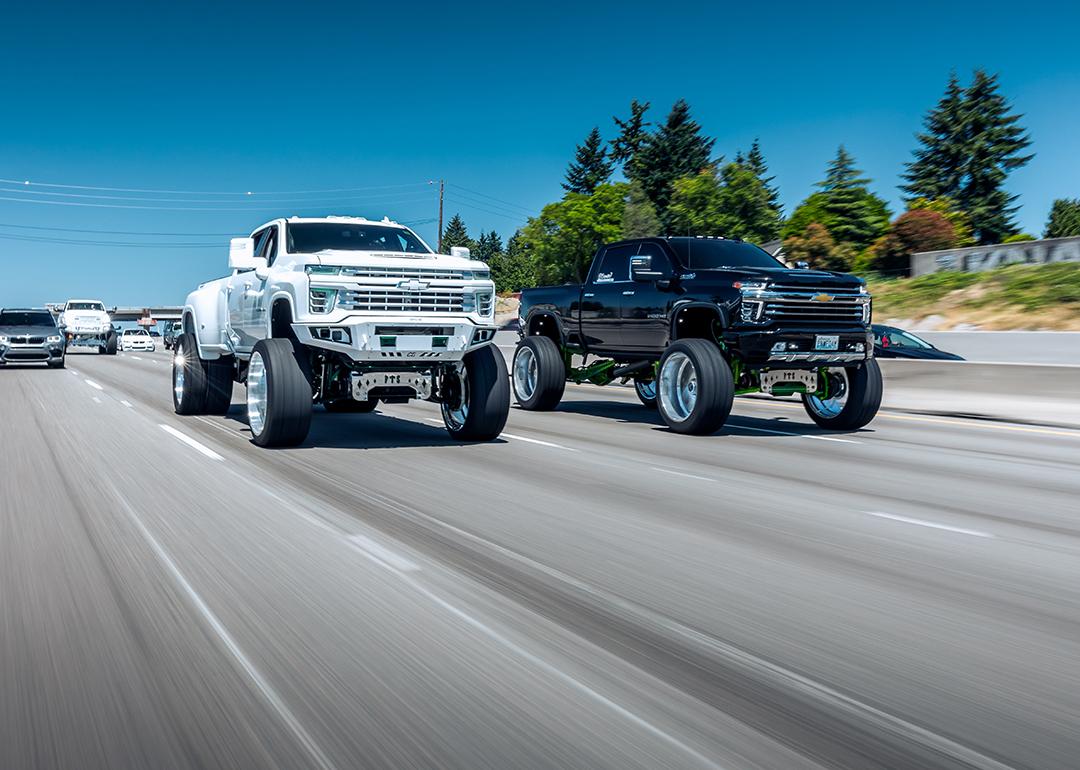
{"x":1011,"y":297}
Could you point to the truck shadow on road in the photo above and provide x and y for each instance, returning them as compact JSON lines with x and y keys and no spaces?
{"x":363,"y":431}
{"x":737,"y":425}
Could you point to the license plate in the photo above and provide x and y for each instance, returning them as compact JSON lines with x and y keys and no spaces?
{"x":827,"y":342}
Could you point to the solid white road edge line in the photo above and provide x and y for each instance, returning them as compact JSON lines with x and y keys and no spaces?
{"x":789,"y":433}
{"x":191,"y":442}
{"x":93,"y":384}
{"x":930,"y":524}
{"x":223,"y":635}
{"x":380,"y":553}
{"x":517,"y":438}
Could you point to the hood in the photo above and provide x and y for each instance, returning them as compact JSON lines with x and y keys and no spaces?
{"x":33,"y":331}
{"x":350,"y":258}
{"x":922,"y":353}
{"x":789,"y":277}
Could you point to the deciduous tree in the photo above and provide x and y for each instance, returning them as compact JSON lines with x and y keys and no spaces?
{"x":912,"y":232}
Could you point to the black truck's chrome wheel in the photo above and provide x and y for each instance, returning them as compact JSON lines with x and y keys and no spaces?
{"x":695,"y":389}
{"x":539,"y":374}
{"x":646,"y":392}
{"x":851,"y":400}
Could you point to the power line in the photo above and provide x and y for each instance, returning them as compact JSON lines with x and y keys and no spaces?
{"x":203,"y":209}
{"x":498,"y":207}
{"x":252,"y":200}
{"x":516,"y":218}
{"x":86,"y":242}
{"x":491,"y":197}
{"x":118,"y":232}
{"x":28,"y":183}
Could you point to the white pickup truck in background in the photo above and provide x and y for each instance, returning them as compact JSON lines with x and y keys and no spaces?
{"x":344,"y":312}
{"x":86,"y":323}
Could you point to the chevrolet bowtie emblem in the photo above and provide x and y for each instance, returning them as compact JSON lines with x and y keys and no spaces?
{"x":823,"y":298}
{"x":412,"y":285}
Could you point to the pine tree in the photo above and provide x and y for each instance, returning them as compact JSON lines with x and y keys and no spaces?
{"x":995,"y":141}
{"x":590,"y":168}
{"x":625,"y":148}
{"x":488,"y":246}
{"x":639,"y":216}
{"x":513,"y":268}
{"x":456,"y":234}
{"x":939,"y":166}
{"x":677,"y":149}
{"x":755,"y":161}
{"x":970,"y":145}
{"x":745,"y":204}
{"x":1064,"y":219}
{"x":855,"y":215}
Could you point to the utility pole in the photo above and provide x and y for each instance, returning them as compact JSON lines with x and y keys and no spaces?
{"x":442,"y":187}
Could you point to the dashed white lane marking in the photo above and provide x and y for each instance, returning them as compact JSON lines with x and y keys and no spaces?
{"x":191,"y":442}
{"x":136,"y":358}
{"x":230,"y":431}
{"x":379,"y":553}
{"x":126,"y":403}
{"x":930,"y":524}
{"x":226,"y":639}
{"x":789,"y":433}
{"x":93,"y":385}
{"x":74,"y":372}
{"x":97,"y":400}
{"x":684,"y":475}
{"x":516,"y":437}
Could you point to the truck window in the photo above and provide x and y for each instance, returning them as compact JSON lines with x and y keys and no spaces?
{"x":615,"y":264}
{"x":660,"y":260}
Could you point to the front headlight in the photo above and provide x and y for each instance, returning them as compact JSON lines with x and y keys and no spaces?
{"x":54,"y":338}
{"x":3,"y":340}
{"x":480,"y":274}
{"x":322,"y":270}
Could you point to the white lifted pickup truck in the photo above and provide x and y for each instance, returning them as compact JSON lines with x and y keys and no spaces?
{"x":85,"y":322}
{"x":344,"y":312}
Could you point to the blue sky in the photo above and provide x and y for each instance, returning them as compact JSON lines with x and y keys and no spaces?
{"x":379,"y":99}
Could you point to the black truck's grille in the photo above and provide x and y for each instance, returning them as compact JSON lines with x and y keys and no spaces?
{"x":814,"y":305}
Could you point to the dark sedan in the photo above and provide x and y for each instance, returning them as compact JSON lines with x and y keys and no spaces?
{"x":30,"y":336}
{"x":890,"y":342}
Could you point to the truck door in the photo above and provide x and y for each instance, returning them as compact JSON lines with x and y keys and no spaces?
{"x":646,"y":312}
{"x":602,"y":296}
{"x":239,"y":284}
{"x":256,"y":292}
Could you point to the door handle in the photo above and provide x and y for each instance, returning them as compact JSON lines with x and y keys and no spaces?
{"x":628,"y":293}
{"x":247,"y":284}
{"x":588,"y":294}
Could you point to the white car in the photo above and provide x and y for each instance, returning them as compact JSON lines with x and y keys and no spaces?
{"x":137,"y":339}
{"x":86,"y":323}
{"x":344,"y":312}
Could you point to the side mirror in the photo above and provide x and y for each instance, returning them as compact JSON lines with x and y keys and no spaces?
{"x":242,"y":255}
{"x":641,"y":269}
{"x":460,"y":251}
{"x":802,"y":265}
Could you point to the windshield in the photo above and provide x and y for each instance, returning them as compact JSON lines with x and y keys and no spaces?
{"x":313,"y":237}
{"x":86,"y":306}
{"x":897,"y":338}
{"x":136,"y":331}
{"x":711,"y":254}
{"x":26,"y":318}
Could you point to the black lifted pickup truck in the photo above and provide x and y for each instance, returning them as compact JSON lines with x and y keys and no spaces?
{"x":695,"y":321}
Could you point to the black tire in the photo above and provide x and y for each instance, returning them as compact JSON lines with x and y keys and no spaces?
{"x":286,"y":418}
{"x":485,"y":391}
{"x":188,"y":377}
{"x":350,"y":406}
{"x":57,"y":364}
{"x":709,"y":387}
{"x":537,"y":361}
{"x":219,"y":385}
{"x":862,"y":392}
{"x":646,"y":392}
{"x":109,"y":348}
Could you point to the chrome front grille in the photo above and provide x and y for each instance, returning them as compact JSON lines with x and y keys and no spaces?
{"x":803,"y":304}
{"x":425,"y":273}
{"x":395,"y":300}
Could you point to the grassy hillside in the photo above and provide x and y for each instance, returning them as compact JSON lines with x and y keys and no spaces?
{"x":1013,"y":297}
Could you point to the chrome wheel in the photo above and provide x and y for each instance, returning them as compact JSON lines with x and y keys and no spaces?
{"x":678,"y":387}
{"x":646,"y":390}
{"x":831,"y":406}
{"x":524,"y":373}
{"x":256,"y":394}
{"x":178,"y":377}
{"x":455,"y":416}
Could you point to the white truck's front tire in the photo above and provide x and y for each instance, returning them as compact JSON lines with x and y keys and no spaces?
{"x":478,"y":401}
{"x":278,"y":394}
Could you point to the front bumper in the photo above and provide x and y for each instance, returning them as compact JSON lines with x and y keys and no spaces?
{"x":24,"y":354}
{"x":797,"y":348}
{"x":391,"y":339}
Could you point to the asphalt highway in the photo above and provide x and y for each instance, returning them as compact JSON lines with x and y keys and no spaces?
{"x":589,"y":591}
